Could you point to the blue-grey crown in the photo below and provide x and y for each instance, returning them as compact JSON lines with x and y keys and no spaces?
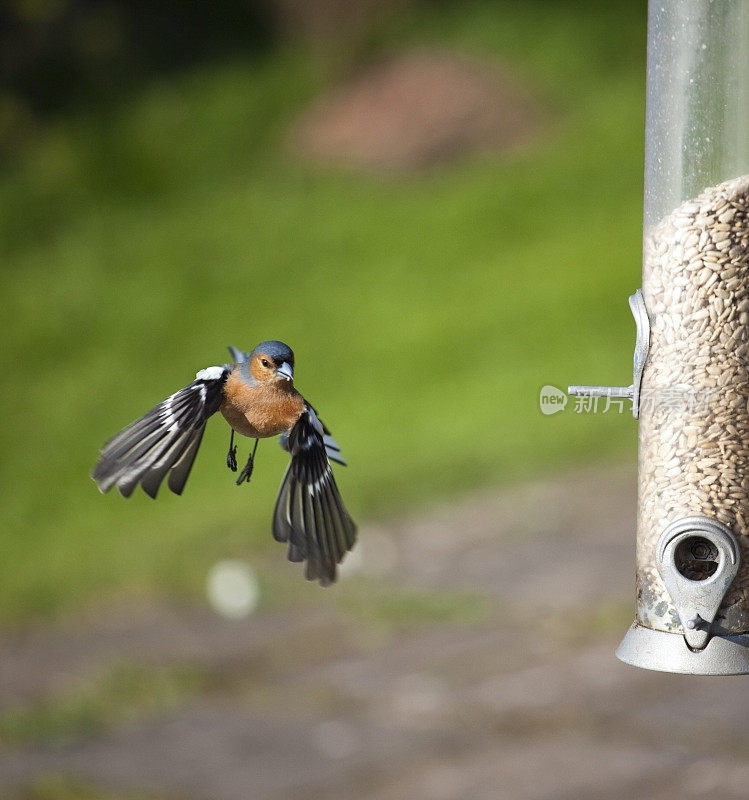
{"x":278,"y":351}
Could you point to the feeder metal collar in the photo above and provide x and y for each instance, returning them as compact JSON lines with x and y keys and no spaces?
{"x":668,"y":652}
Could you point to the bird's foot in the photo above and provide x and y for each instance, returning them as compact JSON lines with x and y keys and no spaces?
{"x":231,"y":458}
{"x":246,"y":473}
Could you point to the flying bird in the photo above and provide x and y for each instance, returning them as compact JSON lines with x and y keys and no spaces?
{"x":256,"y":396}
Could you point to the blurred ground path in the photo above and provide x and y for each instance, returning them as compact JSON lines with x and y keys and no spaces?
{"x":526,"y":702}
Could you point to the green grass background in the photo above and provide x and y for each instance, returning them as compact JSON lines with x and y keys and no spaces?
{"x":138,"y":240}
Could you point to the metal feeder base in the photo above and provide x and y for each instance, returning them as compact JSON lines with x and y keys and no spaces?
{"x":668,"y":652}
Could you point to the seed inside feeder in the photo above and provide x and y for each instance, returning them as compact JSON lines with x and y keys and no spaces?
{"x":694,"y":421}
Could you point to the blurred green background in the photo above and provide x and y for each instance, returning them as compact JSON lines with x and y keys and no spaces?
{"x":153,"y":212}
{"x":158,"y":204}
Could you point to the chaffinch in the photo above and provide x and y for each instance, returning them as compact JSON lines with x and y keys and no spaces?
{"x":256,"y":396}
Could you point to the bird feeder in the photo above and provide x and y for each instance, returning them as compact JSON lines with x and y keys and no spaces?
{"x":690,"y":387}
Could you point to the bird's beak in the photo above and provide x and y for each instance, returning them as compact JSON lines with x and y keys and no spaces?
{"x":285,"y":371}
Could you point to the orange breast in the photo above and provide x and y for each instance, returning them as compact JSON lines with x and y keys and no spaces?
{"x":268,"y":409}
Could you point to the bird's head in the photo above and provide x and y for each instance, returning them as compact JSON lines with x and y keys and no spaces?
{"x":272,"y":361}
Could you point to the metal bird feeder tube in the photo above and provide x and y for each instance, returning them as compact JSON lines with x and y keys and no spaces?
{"x":691,"y":380}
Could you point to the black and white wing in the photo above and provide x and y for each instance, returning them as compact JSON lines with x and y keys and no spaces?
{"x":166,"y":439}
{"x":332,"y":448}
{"x":310,"y":514}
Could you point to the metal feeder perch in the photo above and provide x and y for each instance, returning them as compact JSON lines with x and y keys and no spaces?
{"x":690,"y":389}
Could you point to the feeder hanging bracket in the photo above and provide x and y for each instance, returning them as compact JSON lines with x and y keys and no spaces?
{"x":642,"y":346}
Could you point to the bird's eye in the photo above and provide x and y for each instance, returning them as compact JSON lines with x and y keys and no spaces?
{"x":265,"y":362}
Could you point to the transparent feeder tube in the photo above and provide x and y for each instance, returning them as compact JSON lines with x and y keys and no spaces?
{"x":694,"y":399}
{"x":697,"y":106}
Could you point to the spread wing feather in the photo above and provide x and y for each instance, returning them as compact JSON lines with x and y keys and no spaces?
{"x":332,"y":449}
{"x":309,"y":513}
{"x":164,"y":440}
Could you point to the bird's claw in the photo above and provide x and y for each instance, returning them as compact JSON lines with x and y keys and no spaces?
{"x":246,"y":473}
{"x":231,"y":458}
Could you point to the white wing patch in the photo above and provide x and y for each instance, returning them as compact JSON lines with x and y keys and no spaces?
{"x":209,"y":374}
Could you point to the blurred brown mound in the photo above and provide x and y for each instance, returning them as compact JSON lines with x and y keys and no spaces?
{"x":327,"y":20}
{"x":416,"y":110}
